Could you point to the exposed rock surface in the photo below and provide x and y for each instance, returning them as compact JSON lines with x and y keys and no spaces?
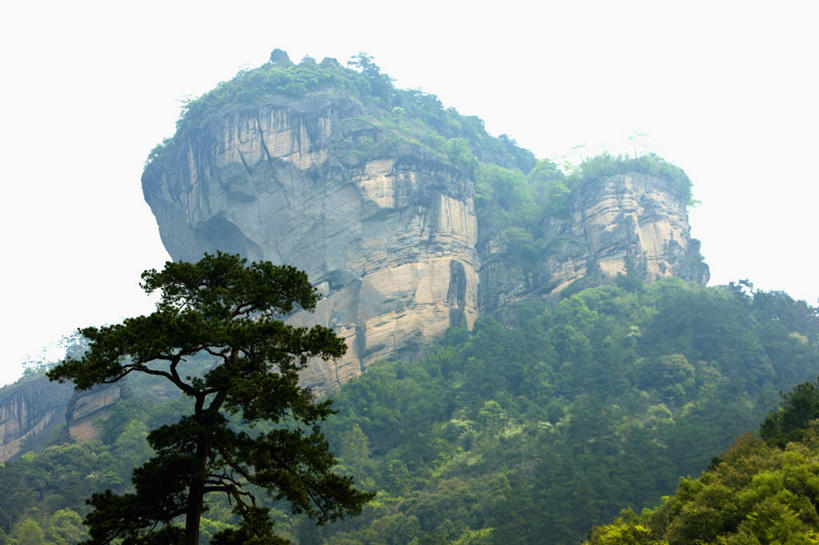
{"x":31,"y":409}
{"x":28,"y":409}
{"x":625,"y":223}
{"x":390,"y":237}
{"x":390,"y":241}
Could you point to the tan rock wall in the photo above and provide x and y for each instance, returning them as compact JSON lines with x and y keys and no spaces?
{"x":27,"y":411}
{"x":390,"y":242}
{"x":620,"y":223}
{"x":30,"y":410}
{"x":633,"y":218}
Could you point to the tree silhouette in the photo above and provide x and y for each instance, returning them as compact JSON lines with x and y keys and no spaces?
{"x":231,"y":312}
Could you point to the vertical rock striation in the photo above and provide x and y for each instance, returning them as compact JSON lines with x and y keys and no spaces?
{"x":388,"y":239}
{"x":27,"y":410}
{"x":316,"y":166}
{"x":32,"y":409}
{"x":625,"y":223}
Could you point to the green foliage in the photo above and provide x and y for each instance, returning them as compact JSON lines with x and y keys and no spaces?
{"x":54,"y":478}
{"x":64,"y":527}
{"x":534,"y":433}
{"x":552,"y":191}
{"x":800,"y":407}
{"x":26,"y":532}
{"x":407,"y":115}
{"x":756,"y":494}
{"x":222,"y":307}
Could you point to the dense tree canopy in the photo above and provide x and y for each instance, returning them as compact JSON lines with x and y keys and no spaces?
{"x":754,"y":494}
{"x":535,"y":432}
{"x":525,"y":432}
{"x":231,"y":311}
{"x":789,"y":423}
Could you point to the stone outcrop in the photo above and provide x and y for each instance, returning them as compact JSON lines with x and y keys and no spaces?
{"x":625,"y":223}
{"x":390,"y":241}
{"x":32,"y":409}
{"x":390,"y":237}
{"x":28,"y":410}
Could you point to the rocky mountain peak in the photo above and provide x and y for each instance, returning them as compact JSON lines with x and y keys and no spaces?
{"x":373,"y":192}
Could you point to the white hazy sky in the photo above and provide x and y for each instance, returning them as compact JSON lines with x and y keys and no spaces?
{"x":727,"y":90}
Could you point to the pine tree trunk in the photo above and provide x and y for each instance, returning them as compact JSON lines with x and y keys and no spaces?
{"x":196,"y":494}
{"x":194,"y":514}
{"x":196,"y":490}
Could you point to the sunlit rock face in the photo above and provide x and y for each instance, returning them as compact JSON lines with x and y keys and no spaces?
{"x":390,"y":241}
{"x":33,"y":410}
{"x":386,"y":230}
{"x":637,"y":222}
{"x":626,"y":223}
{"x":27,"y":410}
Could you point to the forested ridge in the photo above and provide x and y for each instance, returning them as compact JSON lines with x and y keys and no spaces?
{"x":527,"y":433}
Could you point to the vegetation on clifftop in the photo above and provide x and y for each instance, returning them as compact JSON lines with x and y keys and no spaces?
{"x":410,"y":113}
{"x":650,"y":164}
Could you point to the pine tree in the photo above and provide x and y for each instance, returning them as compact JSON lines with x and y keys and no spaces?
{"x":231,"y":312}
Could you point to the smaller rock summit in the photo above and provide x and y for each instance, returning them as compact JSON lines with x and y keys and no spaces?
{"x":629,"y":223}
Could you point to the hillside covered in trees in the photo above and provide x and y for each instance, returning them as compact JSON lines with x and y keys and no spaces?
{"x":760,"y":491}
{"x":523,"y":434}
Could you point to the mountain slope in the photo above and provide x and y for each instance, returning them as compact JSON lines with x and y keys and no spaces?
{"x":757,"y":492}
{"x":528,"y":434}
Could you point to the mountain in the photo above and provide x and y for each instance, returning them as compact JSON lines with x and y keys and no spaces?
{"x":409,"y":217}
{"x":540,"y":347}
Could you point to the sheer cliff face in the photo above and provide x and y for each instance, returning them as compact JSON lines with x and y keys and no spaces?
{"x":389,"y":241}
{"x":31,"y":410}
{"x":391,"y":237}
{"x":635,"y":222}
{"x":27,"y":410}
{"x":625,"y":223}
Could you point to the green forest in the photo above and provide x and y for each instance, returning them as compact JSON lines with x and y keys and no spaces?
{"x":502,"y":434}
{"x":763,"y":489}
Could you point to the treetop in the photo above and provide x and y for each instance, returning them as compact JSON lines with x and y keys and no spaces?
{"x":223,"y":286}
